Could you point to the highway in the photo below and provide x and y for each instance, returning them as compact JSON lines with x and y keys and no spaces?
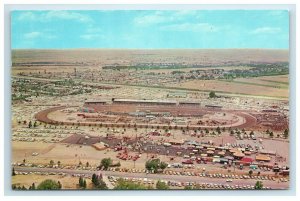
{"x":177,"y":178}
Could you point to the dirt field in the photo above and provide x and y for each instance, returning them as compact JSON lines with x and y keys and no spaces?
{"x":279,"y":78}
{"x":231,"y":87}
{"x":267,"y":81}
{"x":67,"y":182}
{"x":25,"y":149}
{"x":47,"y":69}
{"x":105,"y":56}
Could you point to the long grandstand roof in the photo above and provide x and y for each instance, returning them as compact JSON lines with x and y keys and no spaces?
{"x":95,"y":101}
{"x":145,"y":101}
{"x":189,"y":102}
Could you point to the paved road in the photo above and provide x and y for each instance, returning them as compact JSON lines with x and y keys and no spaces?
{"x":178,"y":178}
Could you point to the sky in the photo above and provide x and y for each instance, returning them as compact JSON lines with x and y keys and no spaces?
{"x":150,"y":29}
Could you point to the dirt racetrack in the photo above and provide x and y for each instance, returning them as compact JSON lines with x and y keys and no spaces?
{"x":246,"y":122}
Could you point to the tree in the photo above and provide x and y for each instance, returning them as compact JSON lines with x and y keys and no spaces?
{"x":98,"y":182}
{"x":35,"y":124}
{"x":29,"y":124}
{"x":155,"y":164}
{"x":161,"y":185}
{"x":94,"y":177}
{"x":212,"y":94}
{"x":80,"y":182}
{"x":258,"y":185}
{"x":188,"y":188}
{"x":59,"y":185}
{"x":250,"y":172}
{"x":271,"y":134}
{"x":163,"y":165}
{"x":51,"y":163}
{"x":13,"y":172}
{"x":101,"y":185}
{"x":129,"y":185}
{"x":49,"y":184}
{"x":286,"y":133}
{"x":33,"y":186}
{"x":106,"y":162}
{"x":84,"y":184}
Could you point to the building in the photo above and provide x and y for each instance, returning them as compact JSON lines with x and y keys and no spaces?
{"x":213,"y":106}
{"x":95,"y":102}
{"x":144,"y":102}
{"x":189,"y":103}
{"x":177,"y":94}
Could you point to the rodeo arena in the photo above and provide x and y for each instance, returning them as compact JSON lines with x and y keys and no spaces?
{"x":204,"y":145}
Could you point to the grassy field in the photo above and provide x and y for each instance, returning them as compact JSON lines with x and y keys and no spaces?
{"x":251,"y":86}
{"x":280,"y":81}
{"x":284,"y":79}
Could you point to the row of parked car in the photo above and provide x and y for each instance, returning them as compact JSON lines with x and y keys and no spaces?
{"x":219,"y":175}
{"x":211,"y":185}
{"x":203,"y":174}
{"x":176,"y":184}
{"x":40,"y":173}
{"x":144,"y":181}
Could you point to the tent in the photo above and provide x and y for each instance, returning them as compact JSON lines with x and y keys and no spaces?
{"x":238,"y":154}
{"x":247,"y":160}
{"x":233,"y":150}
{"x":261,"y":157}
